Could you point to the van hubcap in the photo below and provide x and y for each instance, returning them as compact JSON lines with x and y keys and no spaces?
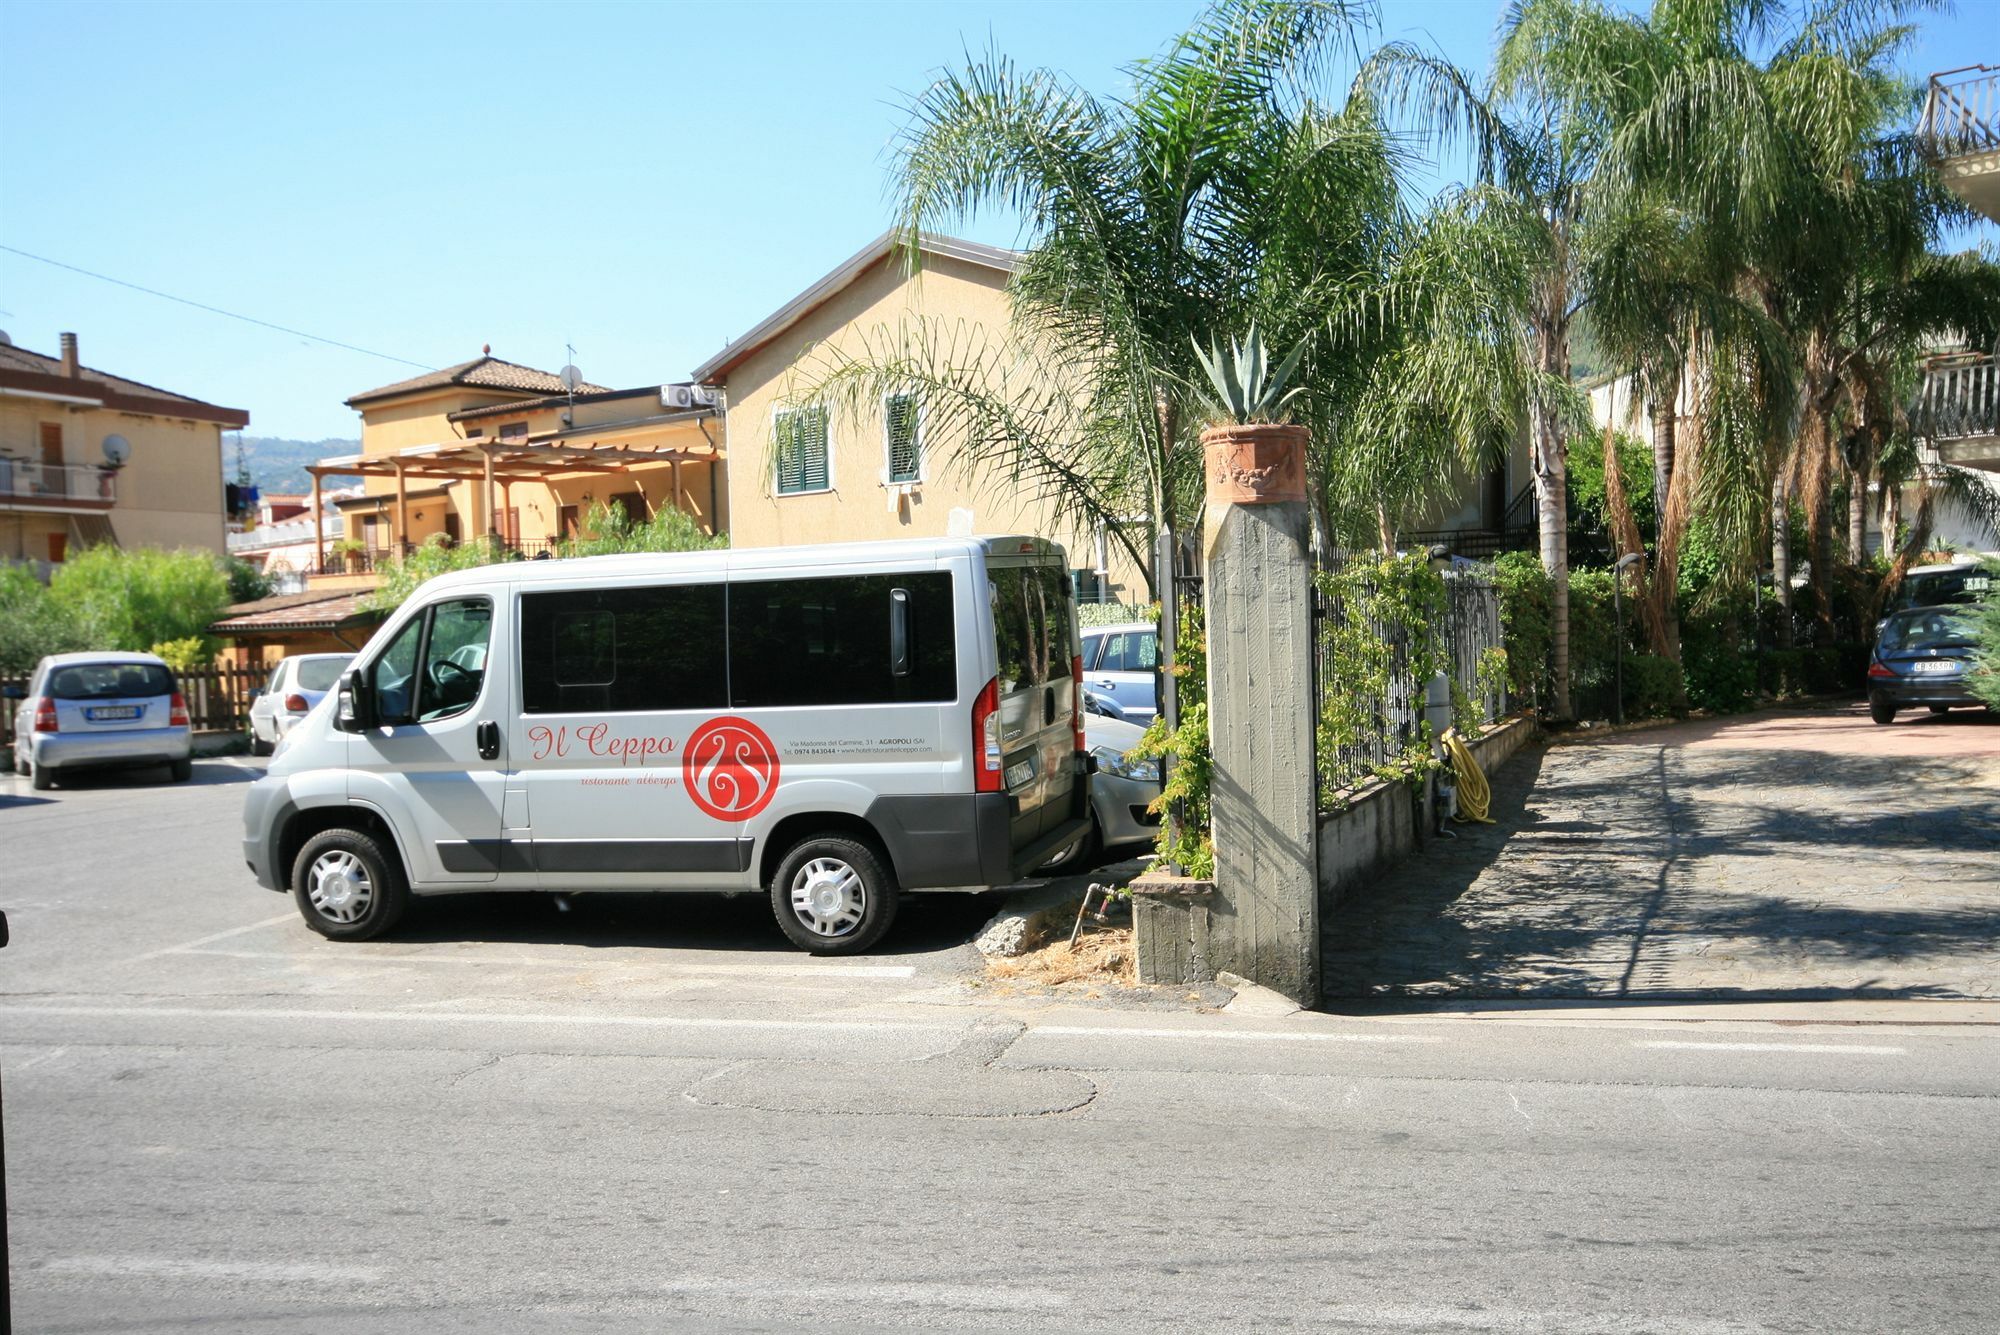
{"x":828,"y":897}
{"x":338,"y":885}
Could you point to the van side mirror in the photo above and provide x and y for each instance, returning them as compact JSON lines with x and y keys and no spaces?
{"x":13,"y":691}
{"x":354,"y":702}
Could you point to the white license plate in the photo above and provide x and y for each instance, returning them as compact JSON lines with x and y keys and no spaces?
{"x":1020,"y":773}
{"x":1935,"y":665}
{"x":107,"y":713}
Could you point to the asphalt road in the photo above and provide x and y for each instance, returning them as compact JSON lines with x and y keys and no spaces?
{"x":650,"y":1116}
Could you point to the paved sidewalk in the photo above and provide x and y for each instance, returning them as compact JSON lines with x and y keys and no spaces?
{"x":1798,"y":855}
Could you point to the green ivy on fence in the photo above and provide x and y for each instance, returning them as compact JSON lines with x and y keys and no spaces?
{"x":1384,"y":624}
{"x":1189,"y":782}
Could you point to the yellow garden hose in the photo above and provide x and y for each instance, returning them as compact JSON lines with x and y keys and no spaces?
{"x":1475,"y":797}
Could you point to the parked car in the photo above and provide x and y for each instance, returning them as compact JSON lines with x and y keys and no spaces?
{"x":833,"y":727}
{"x":1962,"y":581}
{"x":1921,"y":657}
{"x":296,"y":685}
{"x":100,"y":711}
{"x":1121,"y":793}
{"x":1121,"y":668}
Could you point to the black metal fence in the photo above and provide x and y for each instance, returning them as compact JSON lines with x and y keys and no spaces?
{"x":1392,"y":709}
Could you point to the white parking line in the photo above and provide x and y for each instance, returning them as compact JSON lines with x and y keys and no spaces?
{"x":167,"y":1267}
{"x":668,"y":968}
{"x":187,"y":946}
{"x":1248,"y":1035}
{"x":1691,"y":1046}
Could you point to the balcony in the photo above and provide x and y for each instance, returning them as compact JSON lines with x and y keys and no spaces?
{"x":1960,"y":131}
{"x":25,"y":485}
{"x":1960,"y":411}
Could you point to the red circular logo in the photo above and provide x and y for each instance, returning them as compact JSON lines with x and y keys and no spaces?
{"x":730,"y":768}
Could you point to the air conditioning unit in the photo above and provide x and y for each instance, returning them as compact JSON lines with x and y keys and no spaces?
{"x":705,"y":396}
{"x":677,"y":396}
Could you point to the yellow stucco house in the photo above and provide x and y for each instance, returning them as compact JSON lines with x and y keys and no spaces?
{"x":876,"y":476}
{"x":87,"y":457}
{"x":496,"y":449}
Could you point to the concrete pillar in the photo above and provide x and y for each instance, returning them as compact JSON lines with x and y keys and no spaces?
{"x":1264,"y":921}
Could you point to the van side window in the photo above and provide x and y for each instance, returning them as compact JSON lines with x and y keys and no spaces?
{"x":1031,"y":621}
{"x":659,"y":647}
{"x":827,"y":641}
{"x":449,"y":642}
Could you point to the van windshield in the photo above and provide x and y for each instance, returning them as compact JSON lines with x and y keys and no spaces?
{"x":110,"y":681}
{"x":1031,"y":620}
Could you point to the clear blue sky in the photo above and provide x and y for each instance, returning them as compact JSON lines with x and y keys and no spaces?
{"x":644,"y":181}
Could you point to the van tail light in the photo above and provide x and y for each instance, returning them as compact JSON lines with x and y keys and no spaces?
{"x":178,"y":718}
{"x":986,"y":777}
{"x":1076,"y":709}
{"x":45,"y":715}
{"x":296,"y":703}
{"x":1879,"y":669}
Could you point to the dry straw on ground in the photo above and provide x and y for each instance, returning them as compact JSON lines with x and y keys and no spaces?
{"x":1103,"y":955}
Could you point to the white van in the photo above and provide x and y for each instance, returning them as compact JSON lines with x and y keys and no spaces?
{"x":832,"y":725}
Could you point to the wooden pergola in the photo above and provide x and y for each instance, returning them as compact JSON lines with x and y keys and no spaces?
{"x":490,"y":463}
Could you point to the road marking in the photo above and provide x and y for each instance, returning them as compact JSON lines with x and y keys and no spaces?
{"x":728,"y":970}
{"x":165,"y":1267}
{"x":686,"y":1022}
{"x":187,"y":946}
{"x":1234,"y":1035}
{"x":487,"y":1017}
{"x":1694,"y":1046}
{"x":977,"y":1296}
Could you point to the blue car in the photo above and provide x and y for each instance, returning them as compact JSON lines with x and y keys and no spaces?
{"x":1121,"y":670}
{"x":1921,"y":658}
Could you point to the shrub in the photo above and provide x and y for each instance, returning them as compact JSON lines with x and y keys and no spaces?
{"x":136,"y":598}
{"x":1193,"y":765}
{"x":1652,"y":685}
{"x":185,"y":654}
{"x":1985,"y":678}
{"x":1718,"y":662}
{"x":1527,"y":621}
{"x":32,"y":623}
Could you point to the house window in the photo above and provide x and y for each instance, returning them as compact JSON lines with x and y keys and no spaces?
{"x":900,"y":420}
{"x":52,"y":451}
{"x":474,"y":432}
{"x":513,"y":431}
{"x":803,"y":463}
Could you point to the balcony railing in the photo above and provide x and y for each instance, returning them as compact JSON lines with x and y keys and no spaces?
{"x":1962,"y":112}
{"x":1961,"y":400}
{"x":57,"y":484}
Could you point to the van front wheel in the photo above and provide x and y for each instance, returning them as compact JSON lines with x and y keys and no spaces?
{"x":833,"y":895}
{"x":347,"y":886}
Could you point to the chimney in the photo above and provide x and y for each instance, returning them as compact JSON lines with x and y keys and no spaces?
{"x":69,"y":366}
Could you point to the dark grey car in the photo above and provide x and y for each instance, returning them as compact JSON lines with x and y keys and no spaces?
{"x":1921,"y":659}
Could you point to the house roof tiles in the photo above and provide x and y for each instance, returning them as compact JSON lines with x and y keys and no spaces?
{"x":483,"y":372}
{"x":35,"y":370}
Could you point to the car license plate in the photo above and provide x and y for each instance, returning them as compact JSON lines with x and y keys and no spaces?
{"x":1935,"y":665}
{"x":1020,"y":773}
{"x":107,"y":713}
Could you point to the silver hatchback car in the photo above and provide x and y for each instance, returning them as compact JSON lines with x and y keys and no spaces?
{"x":101,"y":711}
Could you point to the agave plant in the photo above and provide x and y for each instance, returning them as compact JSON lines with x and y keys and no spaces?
{"x":1247,"y":388}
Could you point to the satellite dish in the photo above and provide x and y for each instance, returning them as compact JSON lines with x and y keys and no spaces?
{"x":117,"y":450}
{"x":571,"y":378}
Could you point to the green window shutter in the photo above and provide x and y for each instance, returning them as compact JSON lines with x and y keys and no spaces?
{"x":905,"y":452}
{"x":802,"y":461}
{"x":812,"y":449}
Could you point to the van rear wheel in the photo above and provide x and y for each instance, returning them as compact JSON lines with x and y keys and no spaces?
{"x":833,"y":895}
{"x":347,"y":886}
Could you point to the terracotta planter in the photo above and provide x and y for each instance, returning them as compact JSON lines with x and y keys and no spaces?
{"x":1255,"y":465}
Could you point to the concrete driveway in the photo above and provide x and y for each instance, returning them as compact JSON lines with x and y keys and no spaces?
{"x":1785,"y":854}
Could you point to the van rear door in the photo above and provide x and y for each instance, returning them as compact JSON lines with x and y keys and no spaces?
{"x":1035,"y":636}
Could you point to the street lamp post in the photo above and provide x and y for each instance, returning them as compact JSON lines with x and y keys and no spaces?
{"x":1618,"y":642}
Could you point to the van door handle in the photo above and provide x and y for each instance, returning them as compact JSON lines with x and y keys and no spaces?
{"x":1048,"y":706}
{"x":488,"y":736}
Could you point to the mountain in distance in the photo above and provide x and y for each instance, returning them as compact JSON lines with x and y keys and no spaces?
{"x":278,"y":466}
